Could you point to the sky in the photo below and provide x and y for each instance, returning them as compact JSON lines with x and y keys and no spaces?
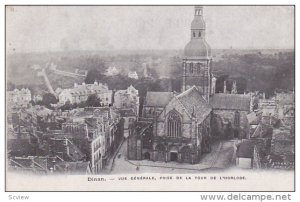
{"x":66,"y":28}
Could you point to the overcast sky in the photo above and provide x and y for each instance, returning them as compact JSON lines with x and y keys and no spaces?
{"x":38,"y":28}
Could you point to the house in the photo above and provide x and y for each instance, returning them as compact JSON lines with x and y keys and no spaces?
{"x":80,"y":93}
{"x":129,"y":117}
{"x":98,"y":131}
{"x":133,"y":75}
{"x":127,"y":99}
{"x":18,"y":97}
{"x":232,"y":109}
{"x":112,"y":71}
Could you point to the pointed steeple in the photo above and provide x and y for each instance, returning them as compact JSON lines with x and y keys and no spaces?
{"x":197,"y":47}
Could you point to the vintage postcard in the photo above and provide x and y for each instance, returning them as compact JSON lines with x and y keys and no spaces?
{"x":150,"y":98}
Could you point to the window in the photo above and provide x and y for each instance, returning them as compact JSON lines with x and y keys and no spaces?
{"x":199,"y":34}
{"x":194,"y":34}
{"x":198,"y":68}
{"x":237,"y":118}
{"x":191,"y":67}
{"x":174,"y":124}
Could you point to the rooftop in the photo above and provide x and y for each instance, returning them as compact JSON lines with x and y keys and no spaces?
{"x":158,"y":99}
{"x":194,"y":103}
{"x":230,"y":101}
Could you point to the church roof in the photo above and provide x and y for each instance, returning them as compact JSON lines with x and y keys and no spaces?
{"x":194,"y":103}
{"x":197,"y":48}
{"x":158,"y":99}
{"x":230,"y":101}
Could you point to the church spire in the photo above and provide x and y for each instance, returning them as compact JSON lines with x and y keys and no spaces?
{"x":198,"y":24}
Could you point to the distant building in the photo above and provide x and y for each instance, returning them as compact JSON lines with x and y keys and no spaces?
{"x":133,"y":75}
{"x":80,"y":93}
{"x":37,"y":98}
{"x":127,"y":99}
{"x":19,"y":97}
{"x":285,"y":107}
{"x":267,"y":106}
{"x":112,"y":71}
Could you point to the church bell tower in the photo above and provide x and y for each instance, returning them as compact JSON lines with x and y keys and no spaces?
{"x":197,"y":60}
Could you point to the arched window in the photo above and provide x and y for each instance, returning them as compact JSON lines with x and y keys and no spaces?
{"x":174,"y":124}
{"x":198,"y":68}
{"x":237,"y":118}
{"x":191,"y":68}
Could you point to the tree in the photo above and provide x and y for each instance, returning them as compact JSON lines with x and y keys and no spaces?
{"x":49,"y":99}
{"x":93,"y":101}
{"x":92,"y":76}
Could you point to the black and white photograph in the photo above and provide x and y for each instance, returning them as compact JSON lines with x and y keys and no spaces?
{"x":150,"y":97}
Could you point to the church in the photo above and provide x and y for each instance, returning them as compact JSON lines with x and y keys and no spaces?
{"x":180,"y":127}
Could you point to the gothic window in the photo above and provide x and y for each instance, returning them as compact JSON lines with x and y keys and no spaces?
{"x":174,"y":124}
{"x":191,"y":67}
{"x":237,"y":118}
{"x":198,"y":68}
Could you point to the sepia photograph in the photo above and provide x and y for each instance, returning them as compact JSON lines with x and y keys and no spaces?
{"x":150,"y":98}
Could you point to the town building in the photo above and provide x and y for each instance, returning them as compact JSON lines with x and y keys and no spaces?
{"x":232,"y":110}
{"x":102,"y":131}
{"x":19,"y":97}
{"x":80,"y":93}
{"x":133,"y":75}
{"x":129,"y":117}
{"x":112,"y":71}
{"x":127,"y":99}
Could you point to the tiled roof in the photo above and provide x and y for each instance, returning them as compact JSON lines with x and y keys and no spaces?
{"x":126,"y":112}
{"x":78,"y":167}
{"x":158,"y":99}
{"x":230,"y":101}
{"x":194,"y":103}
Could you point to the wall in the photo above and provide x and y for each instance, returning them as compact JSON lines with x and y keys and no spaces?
{"x":244,"y":162}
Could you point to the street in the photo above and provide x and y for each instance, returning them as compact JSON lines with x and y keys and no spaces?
{"x":219,"y":158}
